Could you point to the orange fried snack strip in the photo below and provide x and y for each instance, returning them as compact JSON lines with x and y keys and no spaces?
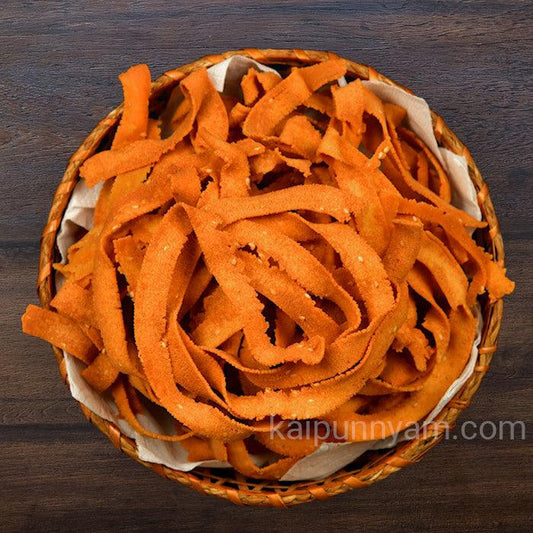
{"x":134,"y":122}
{"x":100,"y":373}
{"x":59,"y":331}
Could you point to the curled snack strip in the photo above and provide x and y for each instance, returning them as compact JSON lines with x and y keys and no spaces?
{"x":292,"y":255}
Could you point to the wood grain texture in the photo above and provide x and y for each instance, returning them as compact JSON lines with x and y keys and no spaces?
{"x":59,"y":61}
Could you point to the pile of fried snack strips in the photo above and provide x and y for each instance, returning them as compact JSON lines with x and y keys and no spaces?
{"x":290,"y":254}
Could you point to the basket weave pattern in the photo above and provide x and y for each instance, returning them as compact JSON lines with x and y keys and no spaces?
{"x":233,"y":486}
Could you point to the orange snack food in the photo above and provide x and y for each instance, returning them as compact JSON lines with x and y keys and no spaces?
{"x":292,"y":255}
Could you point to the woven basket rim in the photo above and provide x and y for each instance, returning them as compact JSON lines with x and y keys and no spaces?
{"x":246,"y":491}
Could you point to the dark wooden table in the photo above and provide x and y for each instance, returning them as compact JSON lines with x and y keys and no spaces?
{"x":59,"y":61}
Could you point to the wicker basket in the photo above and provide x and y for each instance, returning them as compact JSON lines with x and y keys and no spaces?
{"x":379,"y":464}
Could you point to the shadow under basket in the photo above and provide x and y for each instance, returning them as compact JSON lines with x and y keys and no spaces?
{"x":372,"y":466}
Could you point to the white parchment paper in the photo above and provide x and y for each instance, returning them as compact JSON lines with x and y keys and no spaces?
{"x":329,"y":457}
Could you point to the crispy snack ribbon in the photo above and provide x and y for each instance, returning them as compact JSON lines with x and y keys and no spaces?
{"x":289,"y":255}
